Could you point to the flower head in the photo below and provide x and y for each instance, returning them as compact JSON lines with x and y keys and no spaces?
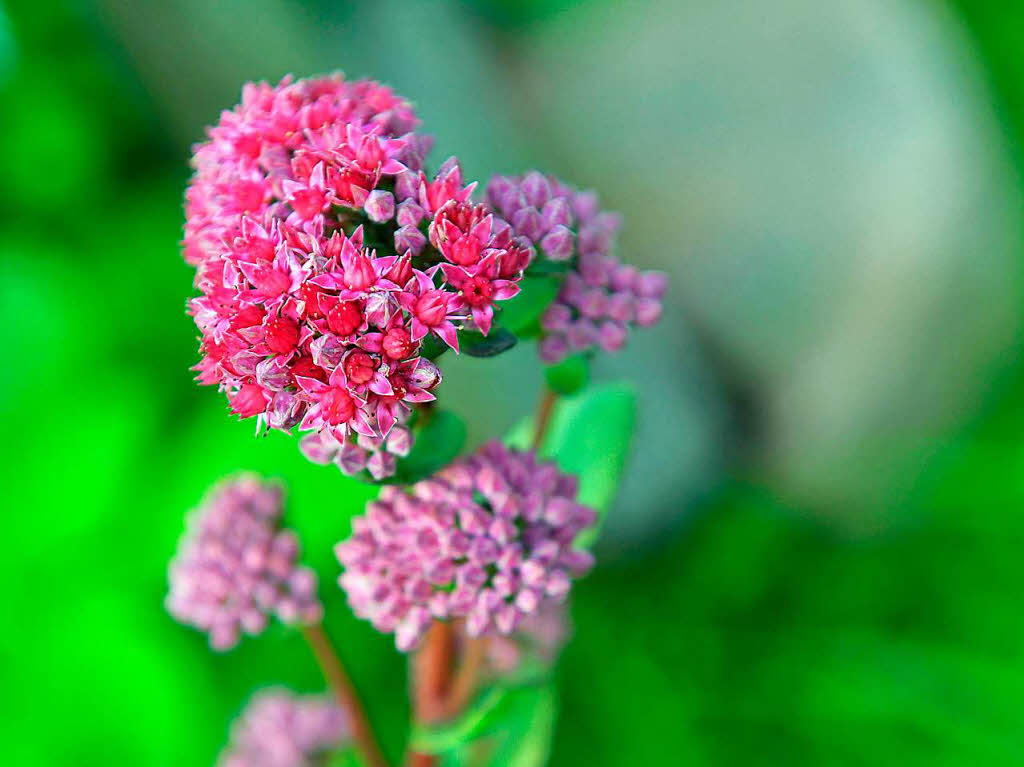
{"x":489,"y":539}
{"x":600,"y":298}
{"x":236,"y":566}
{"x":305,"y":322}
{"x":281,"y":729}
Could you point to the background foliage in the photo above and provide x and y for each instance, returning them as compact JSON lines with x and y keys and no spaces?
{"x":738,"y":614}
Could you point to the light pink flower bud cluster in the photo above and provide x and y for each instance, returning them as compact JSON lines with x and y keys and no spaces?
{"x":600,"y":298}
{"x":325,"y":255}
{"x":377,"y":455}
{"x":489,"y":539}
{"x":235,"y":566}
{"x":281,"y":729}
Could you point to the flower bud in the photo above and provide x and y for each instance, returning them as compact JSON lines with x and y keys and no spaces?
{"x":409,"y":214}
{"x":557,"y":243}
{"x":409,"y":240}
{"x":380,"y":206}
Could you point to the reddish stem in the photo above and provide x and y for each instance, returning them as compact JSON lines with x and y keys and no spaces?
{"x":544,"y":411}
{"x":334,"y":672}
{"x":431,"y":678}
{"x":463,"y":685}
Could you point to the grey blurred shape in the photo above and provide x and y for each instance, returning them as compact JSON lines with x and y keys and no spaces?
{"x":193,"y":56}
{"x":827,"y":185}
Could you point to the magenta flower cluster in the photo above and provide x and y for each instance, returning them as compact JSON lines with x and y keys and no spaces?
{"x":600,"y":298}
{"x":325,"y":256}
{"x":235,"y":566}
{"x":489,"y":539}
{"x":281,"y":729}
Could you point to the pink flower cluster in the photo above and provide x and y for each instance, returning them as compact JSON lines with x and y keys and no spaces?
{"x":488,"y":539}
{"x":325,"y":255}
{"x":281,"y":729}
{"x":235,"y":566}
{"x":600,"y":298}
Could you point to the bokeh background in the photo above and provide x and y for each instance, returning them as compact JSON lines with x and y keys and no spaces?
{"x":816,"y":556}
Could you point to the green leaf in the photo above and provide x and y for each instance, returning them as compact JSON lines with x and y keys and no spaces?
{"x":500,"y":710}
{"x":522,"y":314}
{"x":345,"y":758}
{"x":589,"y":435}
{"x":529,"y":744}
{"x":497,"y":341}
{"x":569,"y":376}
{"x":432,"y":347}
{"x":437,"y":444}
{"x":543,"y":266}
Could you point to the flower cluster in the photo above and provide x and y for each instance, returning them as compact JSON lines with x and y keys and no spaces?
{"x":600,"y":298}
{"x":280,"y":729}
{"x":235,"y":566}
{"x":489,"y":538}
{"x":325,"y":256}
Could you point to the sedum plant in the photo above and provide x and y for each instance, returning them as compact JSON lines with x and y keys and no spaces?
{"x":334,"y":273}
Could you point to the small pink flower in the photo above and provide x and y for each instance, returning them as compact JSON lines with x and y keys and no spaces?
{"x":345,"y":318}
{"x":557,"y":243}
{"x":249,"y":400}
{"x":255,"y":243}
{"x":380,"y":206}
{"x":648,"y":312}
{"x":461,"y":232}
{"x":409,"y":214}
{"x":282,"y":335}
{"x":399,"y":441}
{"x":307,"y":199}
{"x":397,"y":344}
{"x":351,"y":459}
{"x":337,"y":406}
{"x":429,"y":308}
{"x":447,"y":186}
{"x":333,"y":406}
{"x":399,"y":272}
{"x":369,"y":152}
{"x":381,"y":464}
{"x":409,"y":240}
{"x":365,"y":374}
{"x":479,"y":290}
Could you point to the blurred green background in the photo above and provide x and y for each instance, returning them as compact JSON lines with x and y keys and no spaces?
{"x":816,"y":557}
